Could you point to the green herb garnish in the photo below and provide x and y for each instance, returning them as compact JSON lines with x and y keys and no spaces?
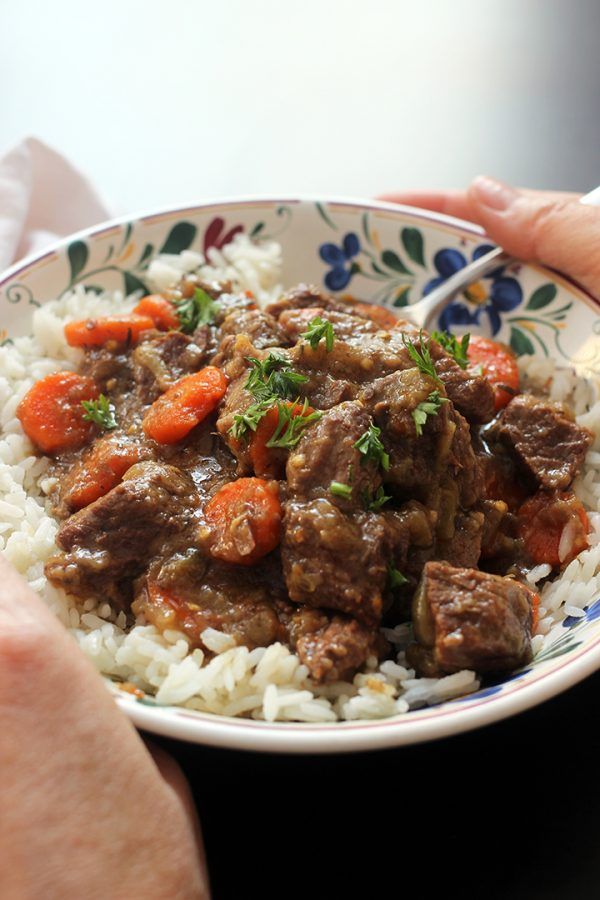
{"x":100,"y":411}
{"x":457,"y":349}
{"x":421,"y":357}
{"x":395,"y":577}
{"x":371,"y":447}
{"x":199,"y":309}
{"x":248,"y":421}
{"x":318,"y":329}
{"x":374,"y":502}
{"x":339,"y":489}
{"x":429,"y":407}
{"x":273,"y":377}
{"x":291,"y":424}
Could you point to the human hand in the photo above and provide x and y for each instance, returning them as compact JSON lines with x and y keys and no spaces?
{"x":85,"y":809}
{"x":550,"y":227}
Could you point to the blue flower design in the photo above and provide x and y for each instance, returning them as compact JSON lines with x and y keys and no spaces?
{"x":493,"y":295}
{"x":338,"y":258}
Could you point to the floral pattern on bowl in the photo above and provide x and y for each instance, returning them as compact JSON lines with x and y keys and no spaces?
{"x":380,"y":253}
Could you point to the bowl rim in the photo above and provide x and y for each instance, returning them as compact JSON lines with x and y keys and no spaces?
{"x":360,"y":735}
{"x":364,"y":734}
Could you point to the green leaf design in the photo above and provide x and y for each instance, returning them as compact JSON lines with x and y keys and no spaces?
{"x":96,"y":288}
{"x":412,"y":241}
{"x":257,"y":229}
{"x":132,"y":283}
{"x":321,"y":210}
{"x":126,"y":236}
{"x":78,"y":256}
{"x":179,"y":238}
{"x":555,"y":652}
{"x":393,"y":261}
{"x":365,"y":228}
{"x":147,"y":252}
{"x":520,"y":343}
{"x":402,"y":297}
{"x":542,"y":296}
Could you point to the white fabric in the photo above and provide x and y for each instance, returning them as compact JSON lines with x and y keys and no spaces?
{"x":42,"y":198}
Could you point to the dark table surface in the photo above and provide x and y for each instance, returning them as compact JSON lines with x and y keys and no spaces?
{"x":508,"y":811}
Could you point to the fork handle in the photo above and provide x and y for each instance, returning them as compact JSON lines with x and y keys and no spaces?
{"x":427,"y":308}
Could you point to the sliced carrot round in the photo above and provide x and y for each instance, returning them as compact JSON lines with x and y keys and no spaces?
{"x":101,"y":470}
{"x":52,"y":415}
{"x":244,"y":519}
{"x":535,"y":612}
{"x":498,"y":364}
{"x":160,"y":310}
{"x":185,"y":405}
{"x":553,"y":528}
{"x":96,"y":332}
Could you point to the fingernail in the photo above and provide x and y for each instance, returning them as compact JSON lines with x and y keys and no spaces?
{"x":493,"y":194}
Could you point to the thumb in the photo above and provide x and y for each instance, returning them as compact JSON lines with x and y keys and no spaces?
{"x":541,"y":227}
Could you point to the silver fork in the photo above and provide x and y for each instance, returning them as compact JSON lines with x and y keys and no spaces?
{"x":426,"y":311}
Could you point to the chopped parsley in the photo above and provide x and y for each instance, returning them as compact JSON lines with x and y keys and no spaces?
{"x":273,"y":377}
{"x":429,"y":407}
{"x":374,"y":502}
{"x":101,"y":412}
{"x":248,"y":421}
{"x":421,"y":357}
{"x":395,"y":577}
{"x":371,"y":447}
{"x":339,"y":489}
{"x":319,"y":329}
{"x":290,"y":424}
{"x":457,"y":349}
{"x":199,"y":309}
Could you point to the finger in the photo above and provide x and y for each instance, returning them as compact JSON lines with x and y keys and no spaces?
{"x":173,"y":775}
{"x":547,"y":227}
{"x":450,"y":203}
{"x":459,"y":203}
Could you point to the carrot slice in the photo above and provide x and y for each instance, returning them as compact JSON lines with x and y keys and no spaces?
{"x":95,"y":332}
{"x":269,"y":461}
{"x":244,"y":519}
{"x":553,"y":527}
{"x":535,"y":613}
{"x":499,"y":365}
{"x":160,"y":310}
{"x":52,"y":415}
{"x":100,"y":471}
{"x":184,"y":405}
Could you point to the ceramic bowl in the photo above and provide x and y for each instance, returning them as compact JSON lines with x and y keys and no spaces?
{"x":373,"y":251}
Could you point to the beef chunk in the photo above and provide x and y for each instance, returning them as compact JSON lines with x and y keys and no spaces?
{"x":189,"y":593}
{"x":161,"y":359}
{"x":467,"y":619}
{"x":472,"y":395}
{"x":545,"y":439}
{"x":260,"y":327}
{"x":418,"y":461}
{"x":304,"y":296}
{"x":326,"y":453}
{"x":334,"y":560}
{"x":113,"y":539}
{"x":359,"y":357}
{"x":335,"y":649}
{"x":463,"y":547}
{"x":110,"y":367}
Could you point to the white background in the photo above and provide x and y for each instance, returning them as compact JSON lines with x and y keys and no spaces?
{"x":169,"y":101}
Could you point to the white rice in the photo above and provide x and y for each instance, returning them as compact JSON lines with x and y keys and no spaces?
{"x":267,"y":683}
